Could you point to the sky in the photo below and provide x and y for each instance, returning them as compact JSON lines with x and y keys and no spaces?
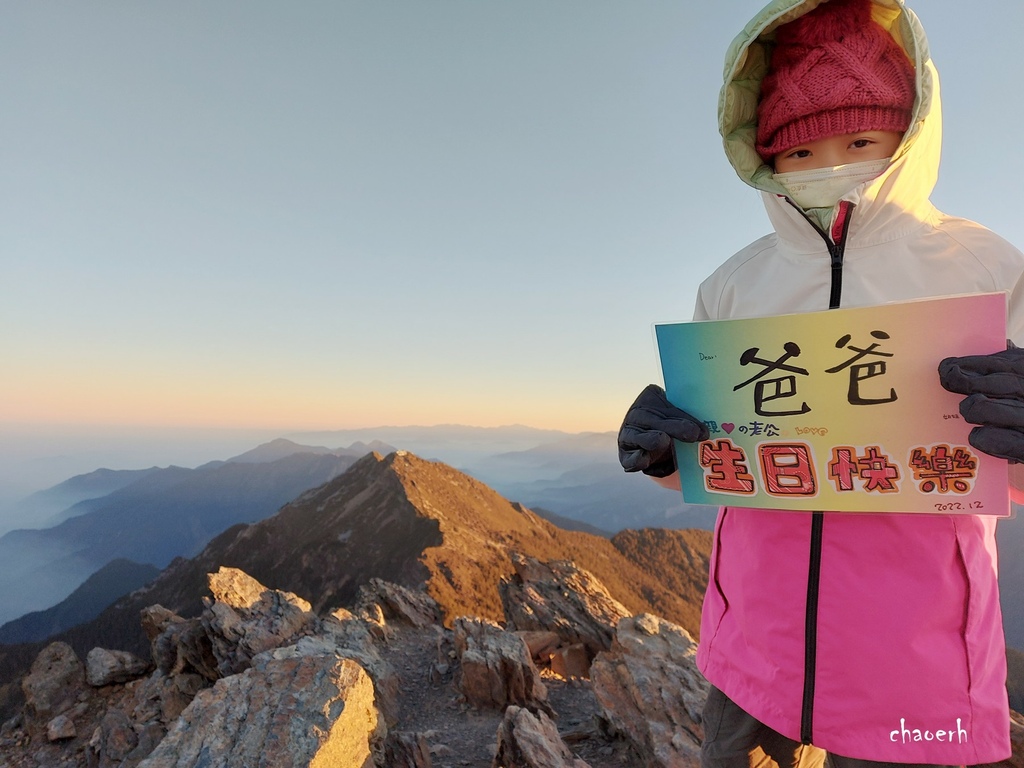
{"x":323,"y":215}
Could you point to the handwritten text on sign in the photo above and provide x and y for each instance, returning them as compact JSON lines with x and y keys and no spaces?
{"x":839,"y":410}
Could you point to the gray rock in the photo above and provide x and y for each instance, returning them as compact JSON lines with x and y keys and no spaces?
{"x":11,"y":726}
{"x":187,"y":647}
{"x":61,"y":727}
{"x":104,"y":667}
{"x":541,"y":644}
{"x":179,"y":645}
{"x":561,"y":598}
{"x":54,"y":682}
{"x":113,"y":740}
{"x":349,"y":637}
{"x":381,"y":599}
{"x":495,"y":666}
{"x":650,"y":690}
{"x":315,"y":711}
{"x":162,"y":698}
{"x":150,"y":737}
{"x":246,"y":619}
{"x":159,"y":625}
{"x":528,"y":740}
{"x":406,"y":750}
{"x":155,"y":619}
{"x":570,"y":661}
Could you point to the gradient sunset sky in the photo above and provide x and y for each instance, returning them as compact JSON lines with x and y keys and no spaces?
{"x":324,"y":215}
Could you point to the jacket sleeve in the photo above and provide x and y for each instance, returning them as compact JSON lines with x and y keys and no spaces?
{"x":1015,"y":334}
{"x":700,"y":312}
{"x":1015,"y":313}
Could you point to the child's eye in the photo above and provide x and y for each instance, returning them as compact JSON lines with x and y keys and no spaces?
{"x":800,"y":154}
{"x":861,"y":143}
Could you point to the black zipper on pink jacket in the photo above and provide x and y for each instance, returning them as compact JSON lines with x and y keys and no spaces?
{"x":836,"y":244}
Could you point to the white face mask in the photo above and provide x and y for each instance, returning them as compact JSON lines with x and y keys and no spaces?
{"x":822,"y":187}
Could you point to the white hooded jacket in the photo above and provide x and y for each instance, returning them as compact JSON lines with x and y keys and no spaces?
{"x":905,"y":660}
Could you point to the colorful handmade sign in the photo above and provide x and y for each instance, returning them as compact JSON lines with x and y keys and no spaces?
{"x":839,"y":410}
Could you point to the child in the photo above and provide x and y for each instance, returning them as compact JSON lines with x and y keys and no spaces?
{"x":876,"y":637}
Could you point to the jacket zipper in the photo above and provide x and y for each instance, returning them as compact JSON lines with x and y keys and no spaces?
{"x":836,"y":244}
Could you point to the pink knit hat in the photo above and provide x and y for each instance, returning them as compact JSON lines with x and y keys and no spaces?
{"x":833,"y":71}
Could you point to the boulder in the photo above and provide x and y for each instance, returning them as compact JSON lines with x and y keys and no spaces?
{"x":245,"y":618}
{"x":541,"y":644}
{"x":162,"y":628}
{"x":113,"y":740}
{"x":381,"y":600}
{"x":161,"y":698}
{"x":12,"y":734}
{"x":496,"y":668}
{"x":103,"y":667}
{"x":54,"y":682}
{"x":155,"y":619}
{"x":314,"y":711}
{"x":386,"y":682}
{"x":149,"y":736}
{"x":186,"y":647}
{"x":528,"y":740}
{"x":407,"y":750}
{"x":570,"y":661}
{"x":351,"y":638}
{"x":61,"y":727}
{"x":561,"y":598}
{"x":650,"y":691}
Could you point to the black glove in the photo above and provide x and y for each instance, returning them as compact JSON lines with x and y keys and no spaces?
{"x":994,"y":385}
{"x":646,"y":434}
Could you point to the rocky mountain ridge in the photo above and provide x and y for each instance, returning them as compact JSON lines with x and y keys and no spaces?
{"x":412,"y":522}
{"x":408,"y":521}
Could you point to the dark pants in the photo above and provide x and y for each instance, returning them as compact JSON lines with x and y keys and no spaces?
{"x":734,"y":739}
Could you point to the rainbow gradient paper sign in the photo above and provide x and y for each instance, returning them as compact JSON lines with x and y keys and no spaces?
{"x":839,"y":410}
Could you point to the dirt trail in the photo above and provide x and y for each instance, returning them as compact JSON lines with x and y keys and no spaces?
{"x":462,"y":736}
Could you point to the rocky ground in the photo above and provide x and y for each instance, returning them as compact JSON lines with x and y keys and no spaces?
{"x":462,"y":735}
{"x":569,"y":680}
{"x":259,"y":678}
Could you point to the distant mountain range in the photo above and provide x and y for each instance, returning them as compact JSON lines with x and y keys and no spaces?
{"x":55,"y":505}
{"x":455,"y":444}
{"x":151,"y":517}
{"x":110,"y":582}
{"x":282,"y":448}
{"x":579,"y":477}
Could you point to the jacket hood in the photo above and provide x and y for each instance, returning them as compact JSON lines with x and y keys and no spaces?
{"x":910,"y":177}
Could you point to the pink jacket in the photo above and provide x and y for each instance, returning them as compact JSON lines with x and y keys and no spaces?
{"x":909,"y":657}
{"x":896,"y":653}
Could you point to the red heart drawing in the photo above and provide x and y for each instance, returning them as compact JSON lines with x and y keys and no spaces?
{"x":728,"y":427}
